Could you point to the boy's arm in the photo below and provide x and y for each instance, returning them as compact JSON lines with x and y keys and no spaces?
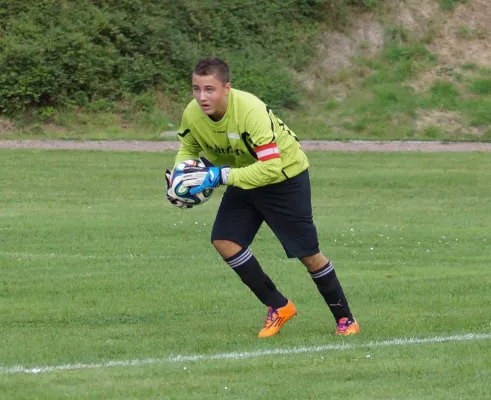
{"x":262,"y":141}
{"x":189,"y":148}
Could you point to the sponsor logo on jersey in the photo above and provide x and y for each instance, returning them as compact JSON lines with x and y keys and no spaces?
{"x":226,"y":150}
{"x":233,"y":135}
{"x":220,"y":131}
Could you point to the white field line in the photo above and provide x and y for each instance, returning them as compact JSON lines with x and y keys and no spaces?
{"x":18,"y":369}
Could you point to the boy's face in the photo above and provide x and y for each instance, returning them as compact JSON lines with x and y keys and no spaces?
{"x":211,"y":94}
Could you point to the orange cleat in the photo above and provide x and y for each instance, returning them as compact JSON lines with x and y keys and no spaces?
{"x":346,"y":327}
{"x":276,"y":318}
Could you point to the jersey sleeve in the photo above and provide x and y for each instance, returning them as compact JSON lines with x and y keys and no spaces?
{"x":261,"y":138}
{"x":189,"y":148}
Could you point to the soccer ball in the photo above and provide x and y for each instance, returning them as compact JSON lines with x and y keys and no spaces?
{"x":181,"y":192}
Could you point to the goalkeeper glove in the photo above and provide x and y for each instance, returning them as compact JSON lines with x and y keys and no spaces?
{"x":175,"y":202}
{"x":208,"y":177}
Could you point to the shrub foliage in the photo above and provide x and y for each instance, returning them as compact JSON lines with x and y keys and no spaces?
{"x":58,"y":52}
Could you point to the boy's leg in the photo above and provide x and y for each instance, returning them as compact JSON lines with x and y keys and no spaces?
{"x":322,"y":273}
{"x":250,"y":272}
{"x":280,"y":309}
{"x":235,"y":227}
{"x":287,"y":209}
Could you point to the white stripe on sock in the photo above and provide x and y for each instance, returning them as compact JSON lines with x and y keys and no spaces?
{"x":323,"y":272}
{"x":242,"y":259}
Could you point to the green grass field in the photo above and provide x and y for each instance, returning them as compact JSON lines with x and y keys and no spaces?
{"x":108,"y":292}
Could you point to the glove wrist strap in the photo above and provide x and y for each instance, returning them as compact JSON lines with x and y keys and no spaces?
{"x":224,"y":173}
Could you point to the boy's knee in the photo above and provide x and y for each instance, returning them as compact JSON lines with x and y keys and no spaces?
{"x":226,"y":248}
{"x":315,"y":262}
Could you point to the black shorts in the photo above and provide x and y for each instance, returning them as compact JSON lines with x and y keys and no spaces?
{"x":286,"y":207}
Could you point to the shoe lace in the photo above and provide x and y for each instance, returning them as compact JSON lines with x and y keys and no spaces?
{"x":272,"y":314}
{"x":343,"y":324}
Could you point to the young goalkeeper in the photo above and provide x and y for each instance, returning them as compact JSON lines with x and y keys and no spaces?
{"x":259,"y":158}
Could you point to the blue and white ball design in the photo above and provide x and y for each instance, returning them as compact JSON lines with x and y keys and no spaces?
{"x":181,"y":192}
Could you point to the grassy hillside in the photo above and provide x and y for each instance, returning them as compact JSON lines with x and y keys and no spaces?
{"x":411,"y":71}
{"x":385,"y":70}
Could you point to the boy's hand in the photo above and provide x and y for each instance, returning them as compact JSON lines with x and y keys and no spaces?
{"x":175,"y":202}
{"x":208,"y":177}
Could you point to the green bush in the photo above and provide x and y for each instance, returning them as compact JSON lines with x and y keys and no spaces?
{"x":67,"y":52}
{"x":265,"y":76}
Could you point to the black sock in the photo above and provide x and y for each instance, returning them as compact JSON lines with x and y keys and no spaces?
{"x":251,"y":273}
{"x":329,"y":287}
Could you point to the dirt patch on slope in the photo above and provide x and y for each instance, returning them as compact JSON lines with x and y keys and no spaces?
{"x":365,"y":38}
{"x":451,"y":122}
{"x":466,"y":35}
{"x":459,"y":36}
{"x":6,"y":126}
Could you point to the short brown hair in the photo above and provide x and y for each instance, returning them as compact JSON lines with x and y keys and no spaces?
{"x":213,"y":66}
